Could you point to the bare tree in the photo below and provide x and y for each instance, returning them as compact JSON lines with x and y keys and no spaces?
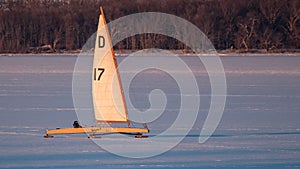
{"x":292,"y":26}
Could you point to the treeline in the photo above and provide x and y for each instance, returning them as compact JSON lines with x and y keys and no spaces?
{"x":65,"y":25}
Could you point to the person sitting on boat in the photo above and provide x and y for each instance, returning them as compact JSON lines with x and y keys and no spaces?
{"x":76,"y":125}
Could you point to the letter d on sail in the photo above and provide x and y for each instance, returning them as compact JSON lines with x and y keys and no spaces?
{"x":101,"y":41}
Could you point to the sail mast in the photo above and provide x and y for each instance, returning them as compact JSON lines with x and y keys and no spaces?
{"x":116,"y":65}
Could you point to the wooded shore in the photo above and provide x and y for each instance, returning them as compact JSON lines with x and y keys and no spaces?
{"x":63,"y":26}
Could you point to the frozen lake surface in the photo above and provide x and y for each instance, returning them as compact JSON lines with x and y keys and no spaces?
{"x":259,"y":129}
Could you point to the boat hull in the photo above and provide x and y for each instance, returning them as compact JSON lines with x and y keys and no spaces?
{"x":95,"y":130}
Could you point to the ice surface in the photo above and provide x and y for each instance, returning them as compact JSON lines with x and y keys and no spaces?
{"x":259,"y":129}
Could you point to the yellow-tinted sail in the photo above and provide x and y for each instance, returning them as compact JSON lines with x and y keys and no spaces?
{"x":108,"y":98}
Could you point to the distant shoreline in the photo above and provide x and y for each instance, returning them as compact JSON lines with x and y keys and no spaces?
{"x":177,"y":52}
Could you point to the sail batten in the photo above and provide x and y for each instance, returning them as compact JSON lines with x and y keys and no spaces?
{"x":108,"y":99}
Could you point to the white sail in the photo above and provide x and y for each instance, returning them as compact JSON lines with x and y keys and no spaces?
{"x":108,"y":98}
